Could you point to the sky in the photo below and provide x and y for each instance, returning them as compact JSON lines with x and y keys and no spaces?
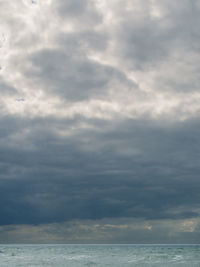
{"x":99,"y":121}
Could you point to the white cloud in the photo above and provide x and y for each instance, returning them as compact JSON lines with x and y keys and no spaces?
{"x":28,"y":27}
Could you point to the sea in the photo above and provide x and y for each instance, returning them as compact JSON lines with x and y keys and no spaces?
{"x":99,"y":255}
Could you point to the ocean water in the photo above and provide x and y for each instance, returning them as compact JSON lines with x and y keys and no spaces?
{"x":99,"y":255}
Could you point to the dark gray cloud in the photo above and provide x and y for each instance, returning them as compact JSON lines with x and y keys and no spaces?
{"x":81,"y":12}
{"x":145,"y":41}
{"x":57,"y":179}
{"x":74,"y":77}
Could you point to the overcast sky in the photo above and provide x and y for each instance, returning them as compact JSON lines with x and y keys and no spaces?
{"x":99,"y":121}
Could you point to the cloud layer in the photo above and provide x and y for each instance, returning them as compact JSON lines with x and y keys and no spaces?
{"x":99,"y":115}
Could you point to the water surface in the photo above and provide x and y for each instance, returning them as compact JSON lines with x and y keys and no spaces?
{"x":99,"y":255}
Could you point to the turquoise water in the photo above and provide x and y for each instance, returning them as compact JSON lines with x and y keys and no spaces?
{"x":99,"y":255}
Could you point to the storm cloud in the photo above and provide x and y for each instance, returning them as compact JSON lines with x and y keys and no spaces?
{"x":99,"y":120}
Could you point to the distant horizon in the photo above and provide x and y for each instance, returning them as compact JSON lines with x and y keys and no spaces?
{"x":87,"y":244}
